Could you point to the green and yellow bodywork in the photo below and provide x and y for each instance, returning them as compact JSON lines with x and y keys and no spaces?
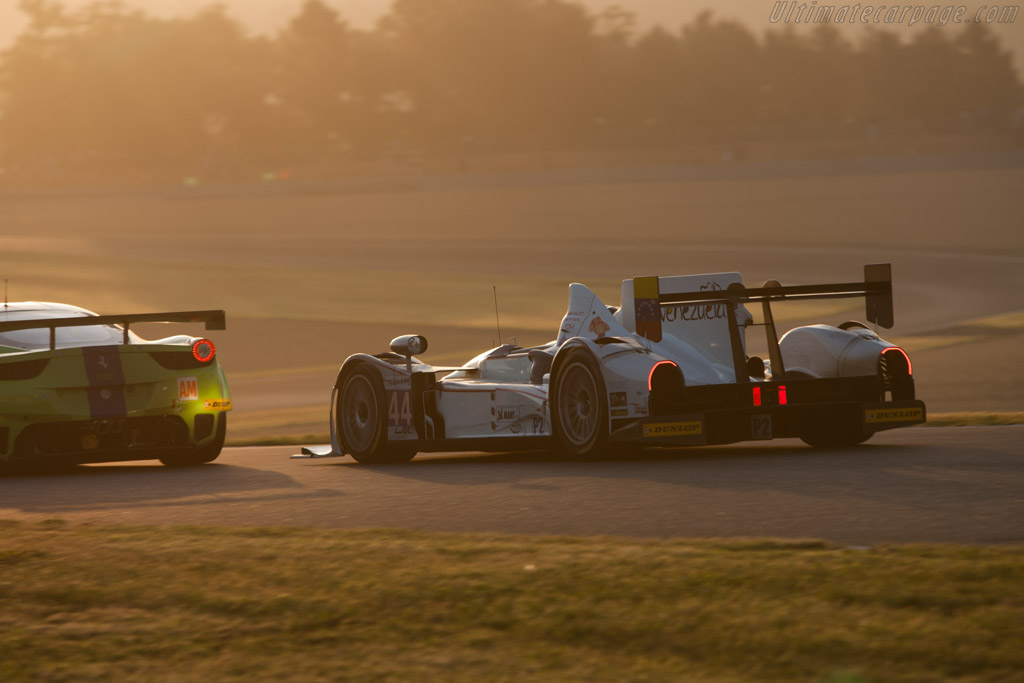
{"x":131,"y":401}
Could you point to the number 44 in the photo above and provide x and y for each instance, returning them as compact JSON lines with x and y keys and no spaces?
{"x":400,"y":410}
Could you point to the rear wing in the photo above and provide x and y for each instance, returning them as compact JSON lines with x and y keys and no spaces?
{"x":876,"y":289}
{"x":214,"y":320}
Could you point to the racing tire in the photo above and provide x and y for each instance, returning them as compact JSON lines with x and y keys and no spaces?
{"x":203,"y":454}
{"x":579,"y":409}
{"x":361,"y":420}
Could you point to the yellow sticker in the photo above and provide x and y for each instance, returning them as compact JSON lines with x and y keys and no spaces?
{"x":893,"y":415}
{"x":646,"y":287}
{"x":217,"y":405}
{"x":673,"y":429}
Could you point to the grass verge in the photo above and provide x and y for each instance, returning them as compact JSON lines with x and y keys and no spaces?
{"x":973,"y":419}
{"x":120,"y":603}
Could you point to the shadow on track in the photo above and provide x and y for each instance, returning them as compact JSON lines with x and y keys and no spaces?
{"x":650,"y":455}
{"x":101,"y":487}
{"x":871,"y":473}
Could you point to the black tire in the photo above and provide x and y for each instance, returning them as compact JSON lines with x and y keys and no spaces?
{"x":360,"y":419}
{"x":579,"y":406}
{"x":203,"y":454}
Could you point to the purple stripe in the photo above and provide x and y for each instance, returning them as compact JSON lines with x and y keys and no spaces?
{"x":106,"y":381}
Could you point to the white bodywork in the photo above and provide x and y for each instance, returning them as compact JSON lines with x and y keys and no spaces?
{"x":826,"y":351}
{"x":492,"y":395}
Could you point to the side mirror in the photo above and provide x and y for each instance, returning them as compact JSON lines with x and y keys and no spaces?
{"x":409,"y":344}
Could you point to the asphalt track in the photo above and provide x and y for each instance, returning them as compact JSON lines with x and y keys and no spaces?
{"x":961,"y":485}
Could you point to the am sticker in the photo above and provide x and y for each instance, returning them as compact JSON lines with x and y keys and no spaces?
{"x":188,"y":389}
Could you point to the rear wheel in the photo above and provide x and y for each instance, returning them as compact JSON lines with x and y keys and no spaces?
{"x":203,"y":454}
{"x":361,"y":420}
{"x":579,"y":410}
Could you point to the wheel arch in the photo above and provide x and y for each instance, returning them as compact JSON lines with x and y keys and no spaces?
{"x":630,"y":372}
{"x":354,"y":361}
{"x":566,"y":349}
{"x":383,"y":448}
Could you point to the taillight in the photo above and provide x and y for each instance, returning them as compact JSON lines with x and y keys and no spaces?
{"x":757,"y":396}
{"x":204,"y":350}
{"x":782,"y":394}
{"x":895,"y":372}
{"x":650,"y":377}
{"x":885,"y":352}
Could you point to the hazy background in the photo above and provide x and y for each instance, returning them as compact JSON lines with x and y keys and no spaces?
{"x":119,"y":92}
{"x":336,"y":175}
{"x":268,"y":16}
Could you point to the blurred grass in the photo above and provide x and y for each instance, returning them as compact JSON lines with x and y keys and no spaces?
{"x":119,"y":603}
{"x":355,"y":293}
{"x":974,"y":419}
{"x":268,"y":427}
{"x":965,"y":333}
{"x":308,"y":280}
{"x":528,"y":302}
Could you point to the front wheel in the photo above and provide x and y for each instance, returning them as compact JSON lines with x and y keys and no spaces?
{"x":361,"y":420}
{"x":579,"y":412}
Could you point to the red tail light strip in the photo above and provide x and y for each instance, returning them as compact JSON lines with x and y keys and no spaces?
{"x":651,"y":376}
{"x":910,"y":368}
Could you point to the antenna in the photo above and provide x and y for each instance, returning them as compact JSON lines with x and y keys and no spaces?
{"x":496,"y":320}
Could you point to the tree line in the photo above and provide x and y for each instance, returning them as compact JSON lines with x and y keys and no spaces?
{"x":107,"y":81}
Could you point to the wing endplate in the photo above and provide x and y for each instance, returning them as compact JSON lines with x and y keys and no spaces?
{"x":878,"y":305}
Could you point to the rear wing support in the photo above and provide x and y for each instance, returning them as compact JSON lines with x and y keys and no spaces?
{"x":876,"y":288}
{"x":214,"y":320}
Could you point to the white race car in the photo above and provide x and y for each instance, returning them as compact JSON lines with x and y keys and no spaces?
{"x":667,"y":368}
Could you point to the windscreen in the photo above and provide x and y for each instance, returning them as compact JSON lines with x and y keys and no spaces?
{"x":67,"y":337}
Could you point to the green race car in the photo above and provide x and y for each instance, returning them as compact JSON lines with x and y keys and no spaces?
{"x":76,"y":387}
